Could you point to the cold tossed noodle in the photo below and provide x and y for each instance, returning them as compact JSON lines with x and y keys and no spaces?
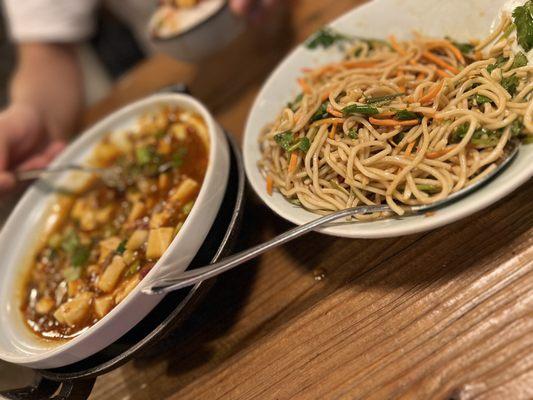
{"x":400,"y":123}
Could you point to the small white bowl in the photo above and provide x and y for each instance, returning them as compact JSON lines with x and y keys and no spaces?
{"x":459,"y":19}
{"x":20,"y":233}
{"x":207,"y":35}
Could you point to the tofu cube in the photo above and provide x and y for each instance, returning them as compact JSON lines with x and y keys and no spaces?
{"x":136,"y":239}
{"x":88,"y":221}
{"x":44,"y":305}
{"x":108,"y":280}
{"x":74,"y":287}
{"x":126,"y":287}
{"x":158,"y":241}
{"x":179,"y":131}
{"x":185,"y":191}
{"x":159,"y":219}
{"x":137,"y":210}
{"x":103,"y":304}
{"x":105,"y":152}
{"x":163,"y":182}
{"x":103,"y":215}
{"x":107,"y":246}
{"x":75,"y":311}
{"x":79,"y":208}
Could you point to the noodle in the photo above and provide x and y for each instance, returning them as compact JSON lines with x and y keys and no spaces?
{"x":404,"y":123}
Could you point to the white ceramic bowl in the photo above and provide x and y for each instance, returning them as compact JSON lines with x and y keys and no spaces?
{"x":21,"y":231}
{"x":208,"y":35}
{"x":459,"y":19}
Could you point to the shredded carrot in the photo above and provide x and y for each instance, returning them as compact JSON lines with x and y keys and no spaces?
{"x":400,"y":74}
{"x":305,"y":86}
{"x":392,"y":122}
{"x":478,"y":55}
{"x":447,"y":44}
{"x":328,"y":121}
{"x":439,"y":153}
{"x":385,"y":114}
{"x":325,"y":68}
{"x":420,"y":76}
{"x":432,"y":93}
{"x":334,"y":112}
{"x":396,"y":46}
{"x":293,"y":163}
{"x":358,"y":64}
{"x":428,"y":113}
{"x":442,"y":73}
{"x":456,"y":52}
{"x":413,"y":62}
{"x":441,"y":63}
{"x":270,"y":185}
{"x":324,"y":96}
{"x":409,"y":148}
{"x":333,"y":131}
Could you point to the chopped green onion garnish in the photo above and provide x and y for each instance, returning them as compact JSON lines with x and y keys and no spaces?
{"x":121,"y":248}
{"x":520,"y":60}
{"x":500,"y":61}
{"x":510,"y":84}
{"x":480,"y":99}
{"x":144,"y":155}
{"x":294,"y":104}
{"x":382,"y":100}
{"x":428,"y":188}
{"x":359,"y":109}
{"x":188,"y":207}
{"x":523,"y":19}
{"x":404,"y":115}
{"x":321,"y":113}
{"x":284,"y":140}
{"x":325,"y":37}
{"x":178,"y":157}
{"x":71,"y":273}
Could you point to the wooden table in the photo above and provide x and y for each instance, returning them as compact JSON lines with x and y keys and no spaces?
{"x":446,"y":314}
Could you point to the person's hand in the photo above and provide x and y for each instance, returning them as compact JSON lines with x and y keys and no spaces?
{"x":253,"y":9}
{"x":24,"y":142}
{"x":46,"y":95}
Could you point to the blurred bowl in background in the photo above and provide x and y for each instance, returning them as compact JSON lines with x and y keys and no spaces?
{"x":192,"y":34}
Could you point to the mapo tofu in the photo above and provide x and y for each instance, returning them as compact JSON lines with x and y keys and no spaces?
{"x":106,"y":239}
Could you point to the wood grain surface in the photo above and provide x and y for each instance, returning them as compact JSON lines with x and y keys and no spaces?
{"x":446,"y":314}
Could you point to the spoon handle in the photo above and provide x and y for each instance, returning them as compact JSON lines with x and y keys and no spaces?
{"x":171,"y":283}
{"x":36,"y":173}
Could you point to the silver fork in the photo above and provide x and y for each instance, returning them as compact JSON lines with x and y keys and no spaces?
{"x":170,"y":283}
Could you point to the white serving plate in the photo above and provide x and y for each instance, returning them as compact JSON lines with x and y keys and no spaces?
{"x":459,"y":19}
{"x":21,"y":232}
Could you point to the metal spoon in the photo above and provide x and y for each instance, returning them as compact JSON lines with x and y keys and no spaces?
{"x":112,"y":176}
{"x":170,"y":283}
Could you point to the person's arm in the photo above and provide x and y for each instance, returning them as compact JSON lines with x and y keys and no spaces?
{"x":46,"y":98}
{"x":48,"y":78}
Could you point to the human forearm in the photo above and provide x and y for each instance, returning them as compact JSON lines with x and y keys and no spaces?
{"x":48,"y":78}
